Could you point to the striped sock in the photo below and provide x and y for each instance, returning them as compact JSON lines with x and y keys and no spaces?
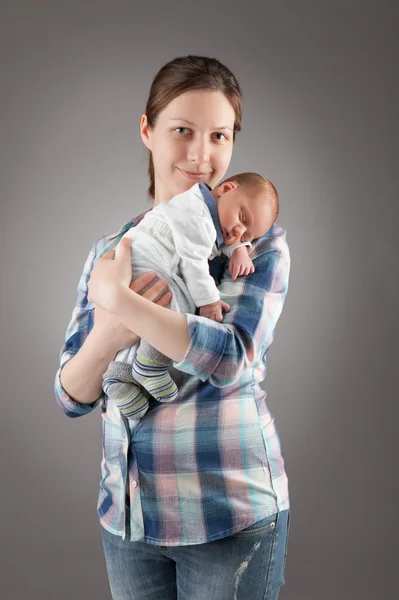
{"x":155,"y":378}
{"x":120,"y":386}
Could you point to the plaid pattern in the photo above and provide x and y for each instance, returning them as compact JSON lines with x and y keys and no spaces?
{"x":209,"y":463}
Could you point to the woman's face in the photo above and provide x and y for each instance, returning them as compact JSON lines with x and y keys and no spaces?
{"x":192,"y":141}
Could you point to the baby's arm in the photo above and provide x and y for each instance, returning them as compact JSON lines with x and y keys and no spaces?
{"x":194,"y":268}
{"x":215,"y":310}
{"x":194,"y":237}
{"x":240,"y":263}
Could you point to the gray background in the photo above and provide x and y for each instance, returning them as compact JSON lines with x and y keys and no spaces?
{"x":320,"y":119}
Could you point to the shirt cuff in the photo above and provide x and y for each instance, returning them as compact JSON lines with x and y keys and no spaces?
{"x":208,"y":341}
{"x":70,"y":407}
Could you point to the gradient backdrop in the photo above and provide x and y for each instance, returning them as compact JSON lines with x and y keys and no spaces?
{"x":320,"y":84}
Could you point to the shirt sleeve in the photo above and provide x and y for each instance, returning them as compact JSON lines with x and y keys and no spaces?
{"x":77,"y":331}
{"x":221,"y":352}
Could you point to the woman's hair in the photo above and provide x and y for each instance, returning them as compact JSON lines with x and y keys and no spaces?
{"x":190,"y":73}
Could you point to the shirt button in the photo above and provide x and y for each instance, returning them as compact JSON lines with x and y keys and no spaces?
{"x":134,"y":483}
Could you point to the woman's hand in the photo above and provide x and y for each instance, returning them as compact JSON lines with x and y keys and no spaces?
{"x":110,"y":276}
{"x":107,"y":326}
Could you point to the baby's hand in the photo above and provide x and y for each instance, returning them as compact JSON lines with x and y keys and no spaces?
{"x":240,"y":263}
{"x":214,"y":311}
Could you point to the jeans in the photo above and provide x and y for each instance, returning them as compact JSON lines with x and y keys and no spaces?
{"x":248,"y":565}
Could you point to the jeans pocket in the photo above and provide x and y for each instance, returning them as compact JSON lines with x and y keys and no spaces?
{"x":259,"y":528}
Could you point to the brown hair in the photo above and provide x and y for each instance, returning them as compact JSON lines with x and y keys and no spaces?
{"x":190,"y":73}
{"x":258,"y":184}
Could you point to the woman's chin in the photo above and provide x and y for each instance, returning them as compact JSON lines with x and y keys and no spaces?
{"x":181,"y":185}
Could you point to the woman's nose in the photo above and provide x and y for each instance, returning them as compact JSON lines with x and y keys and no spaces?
{"x":199,"y":152}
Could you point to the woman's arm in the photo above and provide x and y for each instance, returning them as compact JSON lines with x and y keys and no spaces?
{"x":92,"y":340}
{"x":102,"y":344}
{"x":163,"y":328}
{"x":81,"y":377}
{"x":219,"y":352}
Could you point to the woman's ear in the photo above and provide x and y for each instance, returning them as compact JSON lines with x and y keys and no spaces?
{"x":145,"y":131}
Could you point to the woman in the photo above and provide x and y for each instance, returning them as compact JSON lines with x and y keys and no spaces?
{"x":193,"y":501}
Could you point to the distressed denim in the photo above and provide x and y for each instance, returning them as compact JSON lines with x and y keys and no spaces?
{"x":248,"y":565}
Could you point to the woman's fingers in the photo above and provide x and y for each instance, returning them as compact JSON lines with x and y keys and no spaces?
{"x":139,"y":284}
{"x":158,"y":288}
{"x":158,"y":291}
{"x":108,"y":255}
{"x":165,"y":299}
{"x":144,"y":280}
{"x":125,"y":249}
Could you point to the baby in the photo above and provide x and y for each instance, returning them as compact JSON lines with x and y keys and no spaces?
{"x":184,"y":233}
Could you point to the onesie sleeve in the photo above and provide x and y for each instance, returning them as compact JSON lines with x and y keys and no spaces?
{"x":228,"y":250}
{"x":194,"y":238}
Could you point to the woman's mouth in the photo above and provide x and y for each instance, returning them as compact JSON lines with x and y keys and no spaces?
{"x":193,"y":176}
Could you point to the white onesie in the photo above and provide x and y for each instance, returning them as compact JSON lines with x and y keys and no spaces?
{"x":176,"y":239}
{"x":187,"y":233}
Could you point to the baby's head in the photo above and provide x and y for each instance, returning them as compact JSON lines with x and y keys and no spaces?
{"x":247,"y":206}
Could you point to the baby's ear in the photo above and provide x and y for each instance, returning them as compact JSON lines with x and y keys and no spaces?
{"x":226,"y":186}
{"x":218,"y":189}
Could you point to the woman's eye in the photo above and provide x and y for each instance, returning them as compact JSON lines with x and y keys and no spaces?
{"x":181,"y":129}
{"x":220,"y":137}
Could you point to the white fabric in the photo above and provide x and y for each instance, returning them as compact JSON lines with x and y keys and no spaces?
{"x":228,"y":250}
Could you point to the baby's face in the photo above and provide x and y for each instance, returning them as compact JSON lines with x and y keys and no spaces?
{"x":243,"y":216}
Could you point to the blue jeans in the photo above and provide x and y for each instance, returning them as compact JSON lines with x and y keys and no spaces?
{"x":248,"y":565}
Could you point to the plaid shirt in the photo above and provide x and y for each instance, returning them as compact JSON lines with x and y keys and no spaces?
{"x":209,"y":463}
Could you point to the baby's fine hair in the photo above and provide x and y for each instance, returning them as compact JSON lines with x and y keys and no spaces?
{"x":260,"y":185}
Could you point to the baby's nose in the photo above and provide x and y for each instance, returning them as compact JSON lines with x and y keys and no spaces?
{"x":239,"y":229}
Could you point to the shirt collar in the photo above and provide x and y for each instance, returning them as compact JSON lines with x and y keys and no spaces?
{"x":211,"y":204}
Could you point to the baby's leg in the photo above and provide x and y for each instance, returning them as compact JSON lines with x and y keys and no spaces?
{"x":120,"y":386}
{"x":120,"y":380}
{"x":150,"y":369}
